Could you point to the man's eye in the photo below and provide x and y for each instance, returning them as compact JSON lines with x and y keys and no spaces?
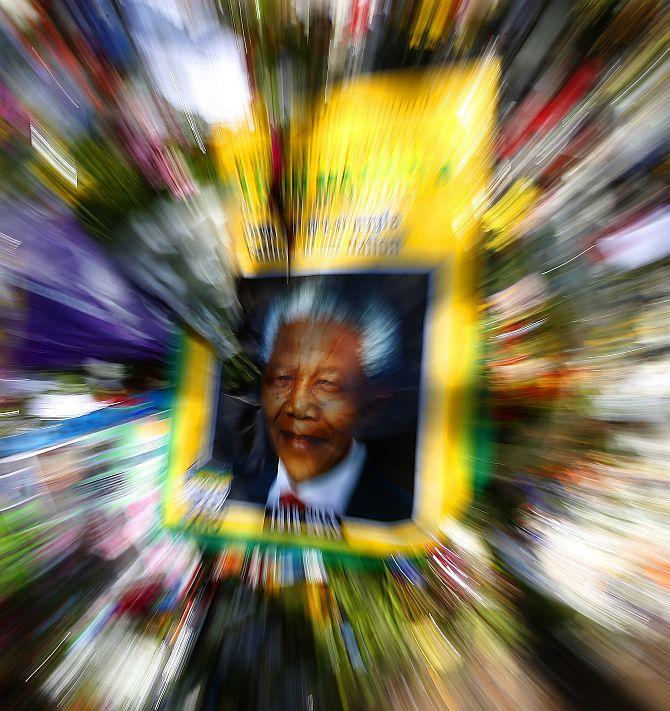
{"x":328,"y":385}
{"x":282,"y":380}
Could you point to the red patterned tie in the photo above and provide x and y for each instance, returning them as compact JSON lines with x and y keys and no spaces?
{"x":291,"y":500}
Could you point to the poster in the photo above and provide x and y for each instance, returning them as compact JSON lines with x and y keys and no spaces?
{"x":355,"y":431}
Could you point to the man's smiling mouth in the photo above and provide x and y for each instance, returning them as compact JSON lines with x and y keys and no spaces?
{"x":300,"y":442}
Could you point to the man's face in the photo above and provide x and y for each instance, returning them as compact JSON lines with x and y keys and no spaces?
{"x":311,"y":391}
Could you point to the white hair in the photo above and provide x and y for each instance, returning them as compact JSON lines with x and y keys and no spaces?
{"x":378,"y":326}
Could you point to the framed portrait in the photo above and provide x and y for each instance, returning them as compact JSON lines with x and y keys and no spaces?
{"x":354,"y":430}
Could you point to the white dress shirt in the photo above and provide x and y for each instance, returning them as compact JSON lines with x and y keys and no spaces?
{"x":330,"y":490}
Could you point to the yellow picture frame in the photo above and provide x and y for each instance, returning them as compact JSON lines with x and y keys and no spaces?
{"x":440,"y":144}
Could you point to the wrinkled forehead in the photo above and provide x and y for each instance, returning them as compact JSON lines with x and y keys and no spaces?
{"x":318,"y":342}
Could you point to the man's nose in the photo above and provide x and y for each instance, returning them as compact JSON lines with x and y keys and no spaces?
{"x":301,"y":403}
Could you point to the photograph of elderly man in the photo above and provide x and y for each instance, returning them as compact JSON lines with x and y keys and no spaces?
{"x":330,"y":360}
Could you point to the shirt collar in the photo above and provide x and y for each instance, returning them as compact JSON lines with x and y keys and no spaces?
{"x":330,"y":490}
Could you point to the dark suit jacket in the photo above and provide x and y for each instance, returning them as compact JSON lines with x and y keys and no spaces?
{"x":375,"y":497}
